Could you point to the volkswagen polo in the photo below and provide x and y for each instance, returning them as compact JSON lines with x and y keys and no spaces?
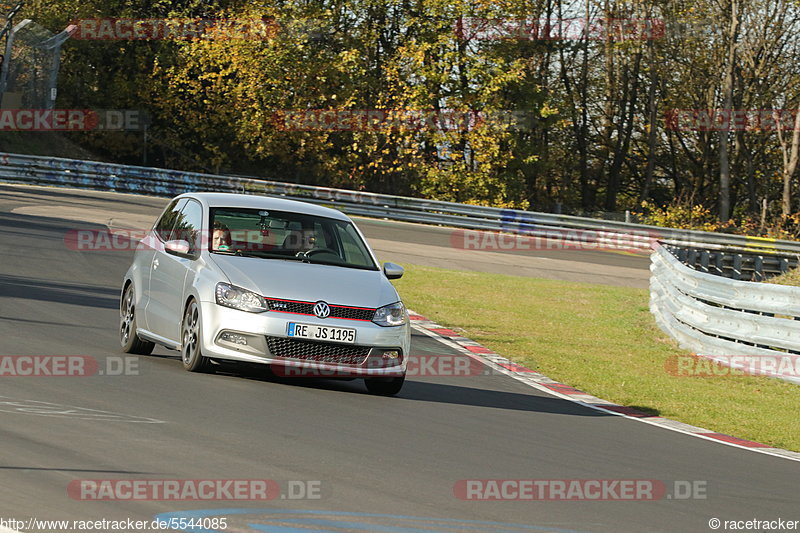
{"x":265,"y":280}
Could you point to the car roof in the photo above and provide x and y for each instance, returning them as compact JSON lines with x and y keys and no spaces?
{"x":255,"y":201}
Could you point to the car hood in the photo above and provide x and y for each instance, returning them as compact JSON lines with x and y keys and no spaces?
{"x":294,"y":280}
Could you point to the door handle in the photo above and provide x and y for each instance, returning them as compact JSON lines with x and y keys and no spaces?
{"x":155,"y":264}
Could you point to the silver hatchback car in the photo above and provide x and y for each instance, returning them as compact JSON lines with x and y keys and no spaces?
{"x":266,"y":280}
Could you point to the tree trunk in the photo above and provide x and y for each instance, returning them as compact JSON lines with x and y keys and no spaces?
{"x":624,"y":132}
{"x":790,"y":157}
{"x":727,"y":92}
{"x":652,"y":107}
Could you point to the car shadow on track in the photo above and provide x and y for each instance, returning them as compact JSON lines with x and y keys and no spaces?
{"x":416,"y":391}
{"x":422,"y":391}
{"x":495,"y":399}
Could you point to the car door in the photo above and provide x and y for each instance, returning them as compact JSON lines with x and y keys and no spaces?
{"x":145,"y":253}
{"x":168,"y":274}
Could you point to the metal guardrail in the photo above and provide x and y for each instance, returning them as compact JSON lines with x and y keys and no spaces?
{"x":735,"y":263}
{"x":707,"y":313}
{"x":714,"y":316}
{"x":161,"y":182}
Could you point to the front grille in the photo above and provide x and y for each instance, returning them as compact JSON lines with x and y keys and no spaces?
{"x":320,"y":352}
{"x":288,"y":306}
{"x":307,"y":308}
{"x":352,"y":313}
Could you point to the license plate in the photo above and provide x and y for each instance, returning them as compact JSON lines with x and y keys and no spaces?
{"x":322,"y":333}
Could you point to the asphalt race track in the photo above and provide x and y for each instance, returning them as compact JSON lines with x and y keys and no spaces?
{"x":375,"y":464}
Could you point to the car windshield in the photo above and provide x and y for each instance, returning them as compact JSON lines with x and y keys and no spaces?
{"x":286,"y":235}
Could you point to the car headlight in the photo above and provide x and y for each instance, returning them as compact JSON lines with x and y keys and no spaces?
{"x":239,"y":298}
{"x":390,"y":315}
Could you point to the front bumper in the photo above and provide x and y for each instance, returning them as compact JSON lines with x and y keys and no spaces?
{"x":224,"y":329}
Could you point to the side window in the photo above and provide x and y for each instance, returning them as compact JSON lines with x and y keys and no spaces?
{"x":321,"y":237}
{"x":353,"y":252}
{"x":164,"y":225}
{"x":188,"y":224}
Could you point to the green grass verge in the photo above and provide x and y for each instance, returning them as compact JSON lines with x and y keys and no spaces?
{"x":791,"y":278}
{"x":602,"y":340}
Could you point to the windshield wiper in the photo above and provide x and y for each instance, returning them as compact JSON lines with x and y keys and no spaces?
{"x":339,"y":264}
{"x":237,"y":253}
{"x":260,"y":255}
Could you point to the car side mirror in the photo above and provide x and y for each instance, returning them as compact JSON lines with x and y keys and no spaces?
{"x":393,"y":271}
{"x":180,"y":248}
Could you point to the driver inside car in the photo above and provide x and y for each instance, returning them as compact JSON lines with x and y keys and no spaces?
{"x":298,"y":241}
{"x":221,"y":237}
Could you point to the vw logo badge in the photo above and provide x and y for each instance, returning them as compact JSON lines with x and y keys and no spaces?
{"x":322,"y":310}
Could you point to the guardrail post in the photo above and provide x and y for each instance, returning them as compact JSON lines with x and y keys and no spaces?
{"x":718,"y":257}
{"x":737,"y":266}
{"x":691,"y":258}
{"x":758,"y":268}
{"x":704,"y":260}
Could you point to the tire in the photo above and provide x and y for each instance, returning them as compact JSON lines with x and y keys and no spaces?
{"x":191,"y":350}
{"x":384,"y":386}
{"x":128,"y":339}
